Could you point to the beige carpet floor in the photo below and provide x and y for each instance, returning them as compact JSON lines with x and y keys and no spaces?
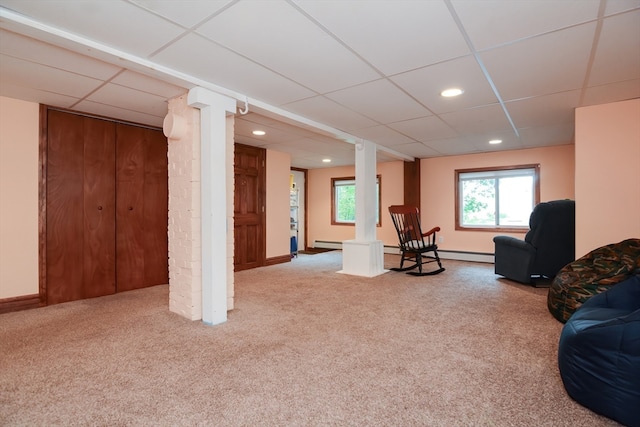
{"x":305,"y":346}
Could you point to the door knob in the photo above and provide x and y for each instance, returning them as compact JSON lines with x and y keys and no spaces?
{"x":99,"y":208}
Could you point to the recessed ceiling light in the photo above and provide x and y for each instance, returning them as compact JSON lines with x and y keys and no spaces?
{"x":448,"y":93}
{"x":326,"y":160}
{"x":259,"y":132}
{"x":495,"y":141}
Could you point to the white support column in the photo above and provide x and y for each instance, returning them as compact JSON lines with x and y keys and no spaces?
{"x":364,"y":256}
{"x":213,"y":111}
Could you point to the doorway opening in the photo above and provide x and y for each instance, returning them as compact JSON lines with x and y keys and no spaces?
{"x":298,"y":211}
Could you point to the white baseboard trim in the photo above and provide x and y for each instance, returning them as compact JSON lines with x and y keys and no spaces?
{"x":444,"y":254}
{"x":325,"y":244}
{"x":467,"y":256}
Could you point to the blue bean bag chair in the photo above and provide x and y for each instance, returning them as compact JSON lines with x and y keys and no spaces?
{"x":599,"y":353}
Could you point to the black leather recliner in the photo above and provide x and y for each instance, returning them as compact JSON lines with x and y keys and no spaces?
{"x":548,"y":246}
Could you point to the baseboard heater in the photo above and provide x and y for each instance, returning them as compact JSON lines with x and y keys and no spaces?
{"x":444,"y":254}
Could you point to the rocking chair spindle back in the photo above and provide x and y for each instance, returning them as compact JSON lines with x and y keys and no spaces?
{"x":413,"y":243}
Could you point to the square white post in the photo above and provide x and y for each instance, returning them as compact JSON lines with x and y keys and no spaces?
{"x":364,"y":256}
{"x":213,"y":111}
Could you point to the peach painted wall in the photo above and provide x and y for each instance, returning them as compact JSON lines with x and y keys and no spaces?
{"x":319,"y":202}
{"x":438,"y":189}
{"x":278,"y":223}
{"x":607,"y":177}
{"x":18,"y":197}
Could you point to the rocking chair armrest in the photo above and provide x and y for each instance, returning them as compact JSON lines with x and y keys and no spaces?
{"x":432,"y":231}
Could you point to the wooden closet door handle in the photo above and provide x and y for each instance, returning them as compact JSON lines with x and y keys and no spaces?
{"x":130,"y":208}
{"x":99,"y":208}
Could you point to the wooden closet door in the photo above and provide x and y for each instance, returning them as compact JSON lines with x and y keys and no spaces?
{"x":156,"y":208}
{"x":142,"y":210}
{"x":99,"y":208}
{"x":65,"y":205}
{"x":80,"y":207}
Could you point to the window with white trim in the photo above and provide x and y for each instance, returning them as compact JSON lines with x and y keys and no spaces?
{"x":343,"y":195}
{"x":500,"y":198}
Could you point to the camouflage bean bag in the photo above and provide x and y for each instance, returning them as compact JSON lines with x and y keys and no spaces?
{"x":592,"y":274}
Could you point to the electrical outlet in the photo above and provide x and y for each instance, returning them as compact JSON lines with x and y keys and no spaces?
{"x":441,"y":239}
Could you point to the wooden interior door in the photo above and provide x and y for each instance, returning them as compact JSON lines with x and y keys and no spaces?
{"x":142,"y":207}
{"x":80,"y":207}
{"x":249,"y":214}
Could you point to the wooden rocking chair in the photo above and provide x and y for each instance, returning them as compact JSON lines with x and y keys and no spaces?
{"x":414,"y":244}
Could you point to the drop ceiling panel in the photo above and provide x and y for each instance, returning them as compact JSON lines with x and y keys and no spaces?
{"x":381,"y":101}
{"x":35,"y":95}
{"x":115,"y":23}
{"x":541,"y":65}
{"x":618,"y":55}
{"x":272,"y":30}
{"x":418,"y":150}
{"x":494,"y":22}
{"x":18,"y":46}
{"x":315,"y":163}
{"x":613,"y":92}
{"x":382,"y":157}
{"x":130,"y":99}
{"x":424,"y":128}
{"x":477,"y":120}
{"x":312,"y":146}
{"x":326,"y":111}
{"x":450,"y":146}
{"x":246,"y":128}
{"x":341,"y":148}
{"x":252,"y":140}
{"x":304,"y":163}
{"x":118,"y":113}
{"x":552,"y":109}
{"x":465,"y":145}
{"x":148,"y":84}
{"x":299,"y":145}
{"x":255,"y":121}
{"x":208,"y":61}
{"x":510,"y":141}
{"x":547,"y":135}
{"x":621,"y":5}
{"x":382,"y":135}
{"x":186,"y":14}
{"x":314,"y":152}
{"x":383,"y":32}
{"x":29,"y":74}
{"x":295,"y":152}
{"x":426,"y":84}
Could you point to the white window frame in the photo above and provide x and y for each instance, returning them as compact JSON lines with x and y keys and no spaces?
{"x":494,"y":173}
{"x":335,"y":182}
